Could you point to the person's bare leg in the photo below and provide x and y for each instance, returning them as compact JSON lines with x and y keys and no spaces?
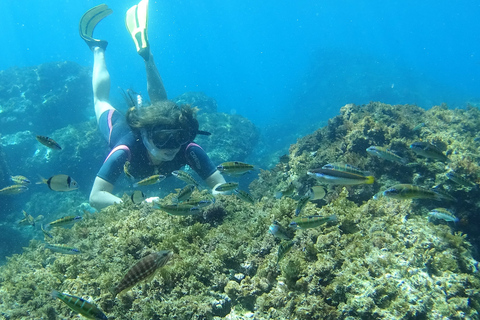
{"x":100,"y":82}
{"x":156,"y":90}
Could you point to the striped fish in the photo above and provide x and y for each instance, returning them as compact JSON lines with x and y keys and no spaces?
{"x":79,"y":305}
{"x":227,"y":186}
{"x":143,"y":269}
{"x":64,"y":222}
{"x":235,"y":168}
{"x":185,"y":177}
{"x":61,"y":248}
{"x":48,"y":142}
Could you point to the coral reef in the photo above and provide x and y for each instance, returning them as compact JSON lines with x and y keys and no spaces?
{"x":382,"y":259}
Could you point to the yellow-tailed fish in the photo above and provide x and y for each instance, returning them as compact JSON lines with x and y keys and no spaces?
{"x":137,"y":196}
{"x":19,"y":180}
{"x":178,"y":209}
{"x":64,"y":222}
{"x":184,"y":194}
{"x":60,"y":248}
{"x":142,"y":270}
{"x":283,"y":249}
{"x":443,"y":214}
{"x":311,"y":221}
{"x":49,"y":142}
{"x":408,"y":191}
{"x":428,"y":150}
{"x":278,"y":231}
{"x":287,"y":192}
{"x":46,"y":233}
{"x":386,"y":154}
{"x":345,"y":168}
{"x":81,"y":306}
{"x":14,"y":189}
{"x":455,"y":177}
{"x":340,"y":177}
{"x":27,"y":220}
{"x":156,"y":178}
{"x":244,"y":196}
{"x":227,"y":186}
{"x":126,"y":170}
{"x":301,"y":204}
{"x":316,"y":193}
{"x":235,"y":168}
{"x":185,"y":177}
{"x":60,"y":182}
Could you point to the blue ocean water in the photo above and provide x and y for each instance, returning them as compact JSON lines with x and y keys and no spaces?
{"x":269,"y":60}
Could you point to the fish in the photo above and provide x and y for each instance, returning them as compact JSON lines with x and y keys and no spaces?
{"x":141,"y":270}
{"x":156,"y":178}
{"x":429,"y":151}
{"x":48,"y":142}
{"x":19,"y":180}
{"x":455,"y":177}
{"x":419,"y":126}
{"x":408,"y":191}
{"x":45,"y":232}
{"x":126,"y":170}
{"x":443,"y":214}
{"x":13,"y":189}
{"x":227,"y":186}
{"x":344,"y":168}
{"x":386,"y":154}
{"x":137,"y":196}
{"x":301,"y":204}
{"x":287,"y":192}
{"x":184,"y":194}
{"x":340,"y":176}
{"x":64,"y":222}
{"x":200,"y":202}
{"x":235,"y":168}
{"x":60,"y":182}
{"x":81,"y":306}
{"x":316,"y":193}
{"x":278,"y":231}
{"x":185,"y":177}
{"x":244,"y":196}
{"x":283,"y":249}
{"x":311,"y":221}
{"x":27,"y":220}
{"x":178,"y":209}
{"x":60,"y":248}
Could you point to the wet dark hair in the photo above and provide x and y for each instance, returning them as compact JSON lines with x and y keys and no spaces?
{"x":166,"y":115}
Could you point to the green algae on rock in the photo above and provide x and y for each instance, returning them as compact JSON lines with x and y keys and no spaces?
{"x":382,"y":259}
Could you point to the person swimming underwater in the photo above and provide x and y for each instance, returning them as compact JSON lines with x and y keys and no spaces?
{"x":154,"y":139}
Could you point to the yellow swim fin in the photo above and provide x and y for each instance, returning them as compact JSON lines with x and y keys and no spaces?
{"x":89,"y":21}
{"x":136,"y":21}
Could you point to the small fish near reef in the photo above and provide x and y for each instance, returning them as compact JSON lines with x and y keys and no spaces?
{"x":348,"y":175}
{"x":185,"y":177}
{"x":458,"y":179}
{"x":156,"y":178}
{"x":443,"y":214}
{"x":429,"y":151}
{"x":311,"y":221}
{"x":20,"y":180}
{"x":64,"y":222}
{"x":48,"y":142}
{"x":184,"y":194}
{"x":137,"y":197}
{"x":316,"y":193}
{"x":60,"y":182}
{"x":278,"y":231}
{"x":81,"y":306}
{"x":408,"y":191}
{"x":244,"y":196}
{"x":287,"y":192}
{"x":27,"y":220}
{"x":13,"y":189}
{"x":301,"y":203}
{"x":283,"y":249}
{"x":46,"y":233}
{"x":235,"y":168}
{"x":227,"y":186}
{"x":178,"y":209}
{"x":386,"y":154}
{"x":63,"y":249}
{"x":142,"y":270}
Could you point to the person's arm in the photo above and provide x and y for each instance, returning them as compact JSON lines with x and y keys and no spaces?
{"x":101,"y":195}
{"x":214,"y":180}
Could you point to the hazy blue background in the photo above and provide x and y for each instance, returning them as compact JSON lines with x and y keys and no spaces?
{"x":272,"y":61}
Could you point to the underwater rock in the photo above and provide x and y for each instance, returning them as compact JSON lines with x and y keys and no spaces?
{"x":44,"y":98}
{"x":204,"y":103}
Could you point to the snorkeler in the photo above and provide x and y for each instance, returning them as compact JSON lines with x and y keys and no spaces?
{"x":155,"y":139}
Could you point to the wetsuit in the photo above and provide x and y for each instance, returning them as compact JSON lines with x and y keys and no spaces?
{"x":125,"y":146}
